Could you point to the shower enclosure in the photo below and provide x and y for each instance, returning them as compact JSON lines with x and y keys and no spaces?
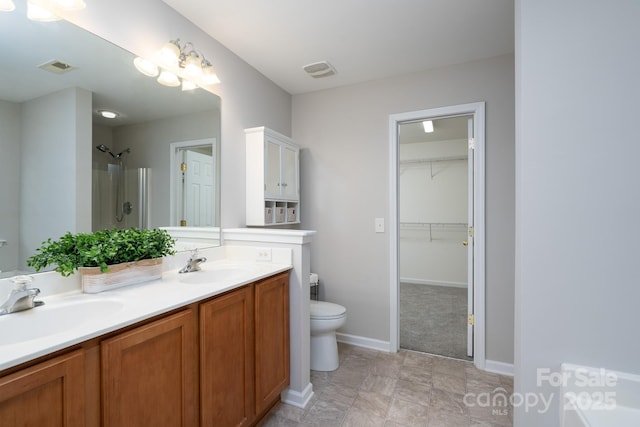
{"x":120,"y":194}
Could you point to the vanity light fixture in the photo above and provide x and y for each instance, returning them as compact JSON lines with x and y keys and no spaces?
{"x":179,"y":65}
{"x":428,"y":126}
{"x":7,"y":5}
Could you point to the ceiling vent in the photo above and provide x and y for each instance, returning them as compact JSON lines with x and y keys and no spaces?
{"x":319,"y":69}
{"x":57,"y":67}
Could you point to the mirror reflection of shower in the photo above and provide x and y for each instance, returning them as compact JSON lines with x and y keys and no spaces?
{"x":121,"y":207}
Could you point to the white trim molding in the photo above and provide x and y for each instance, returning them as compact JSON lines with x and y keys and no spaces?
{"x":364,"y":342}
{"x":297,"y":399}
{"x":499,"y":367}
{"x":477,"y":110}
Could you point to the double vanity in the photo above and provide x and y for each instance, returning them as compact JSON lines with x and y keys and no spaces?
{"x":209,"y":347}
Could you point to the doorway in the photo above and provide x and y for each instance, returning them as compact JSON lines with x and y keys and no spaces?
{"x":437,"y":244}
{"x":433,"y":247}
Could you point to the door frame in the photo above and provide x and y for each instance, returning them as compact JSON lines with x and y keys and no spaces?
{"x":477,"y":110}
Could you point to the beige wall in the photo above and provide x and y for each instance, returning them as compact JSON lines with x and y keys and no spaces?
{"x":344,"y":133}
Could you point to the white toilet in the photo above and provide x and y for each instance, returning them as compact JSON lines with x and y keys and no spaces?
{"x":326,"y":317}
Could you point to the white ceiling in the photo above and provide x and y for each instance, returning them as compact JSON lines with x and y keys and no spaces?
{"x":363,"y":39}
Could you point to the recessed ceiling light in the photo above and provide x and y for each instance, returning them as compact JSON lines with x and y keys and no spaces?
{"x":428,"y":126}
{"x":108,"y":114}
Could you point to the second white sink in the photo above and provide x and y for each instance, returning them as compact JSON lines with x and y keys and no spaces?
{"x":54,"y":318}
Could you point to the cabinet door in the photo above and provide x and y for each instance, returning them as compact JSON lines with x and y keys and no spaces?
{"x":271,"y":168}
{"x":226,"y":359}
{"x":149,"y":374}
{"x":289,"y":173}
{"x":272,"y":339}
{"x":48,"y":394}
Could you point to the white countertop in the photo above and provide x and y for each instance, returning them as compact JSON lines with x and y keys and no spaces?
{"x":70,"y":318}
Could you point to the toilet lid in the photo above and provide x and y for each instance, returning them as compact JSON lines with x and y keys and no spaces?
{"x":326,"y":310}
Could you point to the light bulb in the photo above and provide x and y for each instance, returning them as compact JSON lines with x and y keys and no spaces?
{"x":38,"y":11}
{"x":167,"y":78}
{"x":146,"y":67}
{"x":170,"y":53}
{"x":69,"y":4}
{"x":192,"y":66}
{"x":188,"y":85}
{"x":209,"y":76}
{"x":428,"y":126}
{"x":7,"y":6}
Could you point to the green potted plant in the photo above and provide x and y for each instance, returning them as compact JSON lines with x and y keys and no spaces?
{"x":106,"y":259}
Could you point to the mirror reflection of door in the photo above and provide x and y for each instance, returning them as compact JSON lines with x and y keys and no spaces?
{"x":197,"y":187}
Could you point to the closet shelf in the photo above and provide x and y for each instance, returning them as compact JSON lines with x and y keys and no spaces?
{"x":431,"y":227}
{"x":434,"y":160}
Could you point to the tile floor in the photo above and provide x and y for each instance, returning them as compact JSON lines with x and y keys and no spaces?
{"x":373,"y":388}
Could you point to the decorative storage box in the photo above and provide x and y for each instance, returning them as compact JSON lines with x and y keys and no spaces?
{"x":124,"y":274}
{"x":291,"y":215}
{"x":268,"y":215}
{"x":280,"y":211}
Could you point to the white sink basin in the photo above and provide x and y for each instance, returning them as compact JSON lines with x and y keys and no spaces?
{"x":215,"y":275}
{"x":54,"y":318}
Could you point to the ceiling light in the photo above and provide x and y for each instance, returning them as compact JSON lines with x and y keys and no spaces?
{"x":108,"y":114}
{"x":167,"y":78}
{"x":7,"y":6}
{"x":146,"y":67}
{"x":428,"y":126}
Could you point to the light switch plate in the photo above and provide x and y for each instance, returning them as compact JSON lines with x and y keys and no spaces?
{"x":379,"y":225}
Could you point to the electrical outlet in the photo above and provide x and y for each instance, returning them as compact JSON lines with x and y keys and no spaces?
{"x":379,"y":225}
{"x":263,"y":254}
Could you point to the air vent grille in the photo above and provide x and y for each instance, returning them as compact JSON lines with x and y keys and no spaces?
{"x":56,"y":66}
{"x":319,"y":69}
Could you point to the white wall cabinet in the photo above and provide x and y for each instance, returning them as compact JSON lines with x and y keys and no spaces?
{"x":273,"y":178}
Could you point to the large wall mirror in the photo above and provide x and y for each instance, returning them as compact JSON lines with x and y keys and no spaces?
{"x":64,"y":167}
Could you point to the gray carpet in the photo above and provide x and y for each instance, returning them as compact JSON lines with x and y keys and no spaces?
{"x":433,"y":319}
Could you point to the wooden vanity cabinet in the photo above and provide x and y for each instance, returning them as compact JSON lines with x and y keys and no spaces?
{"x":222,"y":362}
{"x":244,"y":352}
{"x":226,"y":362}
{"x":149,"y":374}
{"x":48,"y":394}
{"x":271,"y":340}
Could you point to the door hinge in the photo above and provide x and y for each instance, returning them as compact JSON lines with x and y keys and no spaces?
{"x":471,"y":320}
{"x":183,"y":167}
{"x":472,"y":143}
{"x":471,"y":231}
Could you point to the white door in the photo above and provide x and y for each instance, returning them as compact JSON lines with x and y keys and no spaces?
{"x":469,"y":241}
{"x":198,"y":189}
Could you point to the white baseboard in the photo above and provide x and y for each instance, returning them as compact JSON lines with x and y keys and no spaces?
{"x":499,"y":367}
{"x":364,"y":342}
{"x":433,"y":282}
{"x":296,"y":398}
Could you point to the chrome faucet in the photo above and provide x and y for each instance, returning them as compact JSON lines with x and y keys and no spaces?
{"x":193,"y":264}
{"x":21,"y":298}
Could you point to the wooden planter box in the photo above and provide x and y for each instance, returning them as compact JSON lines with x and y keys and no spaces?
{"x":124,"y":274}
